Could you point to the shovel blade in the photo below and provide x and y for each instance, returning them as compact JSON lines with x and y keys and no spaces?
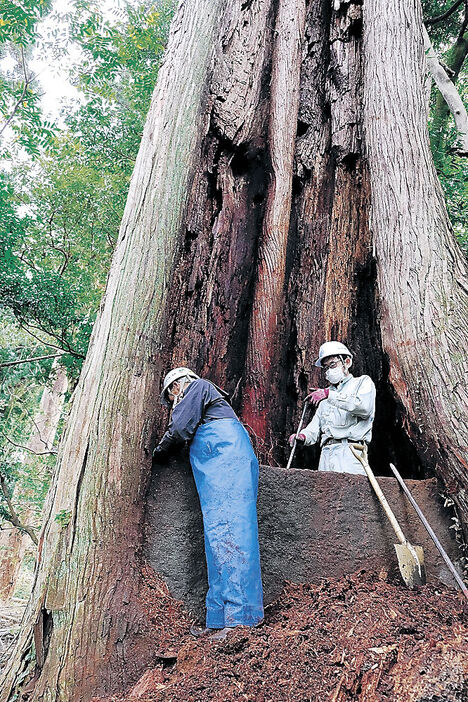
{"x":411,"y":564}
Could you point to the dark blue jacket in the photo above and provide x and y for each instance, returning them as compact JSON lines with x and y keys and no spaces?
{"x":201,"y":403}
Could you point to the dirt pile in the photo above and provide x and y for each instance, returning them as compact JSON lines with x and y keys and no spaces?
{"x":358,"y":638}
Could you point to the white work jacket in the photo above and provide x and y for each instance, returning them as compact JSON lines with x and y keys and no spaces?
{"x":347,"y":413}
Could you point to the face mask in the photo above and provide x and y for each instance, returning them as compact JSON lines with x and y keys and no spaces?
{"x":335,"y":375}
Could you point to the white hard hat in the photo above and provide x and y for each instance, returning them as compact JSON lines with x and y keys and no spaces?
{"x":332,"y":348}
{"x":171,"y":377}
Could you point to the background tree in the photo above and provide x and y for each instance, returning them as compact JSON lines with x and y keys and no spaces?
{"x":358,"y":216}
{"x":26,"y":463}
{"x":31,"y":476}
{"x":447,"y":25}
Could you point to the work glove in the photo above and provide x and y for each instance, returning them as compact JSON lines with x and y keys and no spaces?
{"x":318,"y":395}
{"x":299,"y":437}
{"x":159,"y":454}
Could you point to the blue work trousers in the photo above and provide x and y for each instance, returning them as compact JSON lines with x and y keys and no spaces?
{"x":225,"y":469}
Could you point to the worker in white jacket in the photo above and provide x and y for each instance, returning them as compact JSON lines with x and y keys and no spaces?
{"x":345,"y":411}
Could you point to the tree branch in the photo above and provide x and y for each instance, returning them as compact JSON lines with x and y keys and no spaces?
{"x":31,"y":265}
{"x":13,"y":516}
{"x":440,"y":18}
{"x":27,"y":82}
{"x":36,"y":453}
{"x":47,"y":343}
{"x":30,"y":360}
{"x":449,"y":93}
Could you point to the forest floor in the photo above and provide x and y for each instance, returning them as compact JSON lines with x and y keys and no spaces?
{"x":364,"y":637}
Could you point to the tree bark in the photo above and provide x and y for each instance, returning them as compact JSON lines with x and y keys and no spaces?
{"x":422,"y":277}
{"x":356,"y":226}
{"x":264,"y":356}
{"x":85,"y":608}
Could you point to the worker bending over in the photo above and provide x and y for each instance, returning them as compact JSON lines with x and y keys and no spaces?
{"x":225,"y":469}
{"x":345,"y":411}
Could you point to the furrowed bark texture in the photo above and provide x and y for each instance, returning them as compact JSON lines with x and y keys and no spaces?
{"x":84,"y":610}
{"x":241,"y":250}
{"x":421,"y":273}
{"x":210,"y":303}
{"x":264,"y":350}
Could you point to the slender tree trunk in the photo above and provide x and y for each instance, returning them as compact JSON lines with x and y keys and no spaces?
{"x":362,"y":252}
{"x":441,"y":111}
{"x":14,"y":542}
{"x":450,"y":95}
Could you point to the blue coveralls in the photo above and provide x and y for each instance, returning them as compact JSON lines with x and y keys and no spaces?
{"x":225,"y":469}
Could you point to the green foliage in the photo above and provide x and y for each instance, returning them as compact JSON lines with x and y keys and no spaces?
{"x":60,"y":209}
{"x":32,"y":286}
{"x":20,"y":110}
{"x":447,"y":39}
{"x":57,"y":252}
{"x":20,"y":389}
{"x":443,"y":33}
{"x":117,"y":76}
{"x":63,"y":517}
{"x":18,"y":20}
{"x":453,"y":175}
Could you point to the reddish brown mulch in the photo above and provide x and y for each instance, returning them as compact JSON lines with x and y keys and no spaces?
{"x":358,"y":638}
{"x":167,"y":618}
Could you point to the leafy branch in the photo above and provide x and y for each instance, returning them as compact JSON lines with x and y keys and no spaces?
{"x":11,"y":515}
{"x":31,"y":360}
{"x":28,"y":79}
{"x":25,"y":448}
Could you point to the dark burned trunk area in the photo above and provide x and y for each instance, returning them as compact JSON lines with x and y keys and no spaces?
{"x":330,"y":287}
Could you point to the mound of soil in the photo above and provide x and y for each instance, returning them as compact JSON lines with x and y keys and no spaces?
{"x":360,"y":638}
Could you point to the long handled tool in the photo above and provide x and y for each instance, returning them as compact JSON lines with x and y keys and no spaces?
{"x":429,"y":530}
{"x":410,"y":558}
{"x":293,"y":450}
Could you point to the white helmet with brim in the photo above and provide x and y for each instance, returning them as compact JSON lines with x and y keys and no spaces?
{"x":171,"y":377}
{"x":332,"y":348}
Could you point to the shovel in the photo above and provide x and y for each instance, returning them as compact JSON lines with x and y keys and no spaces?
{"x":293,"y":450}
{"x":430,"y":531}
{"x":410,"y":558}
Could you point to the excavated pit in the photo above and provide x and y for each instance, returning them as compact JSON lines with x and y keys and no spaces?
{"x":311,"y":526}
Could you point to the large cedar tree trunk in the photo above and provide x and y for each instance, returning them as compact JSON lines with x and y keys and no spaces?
{"x":283,"y":195}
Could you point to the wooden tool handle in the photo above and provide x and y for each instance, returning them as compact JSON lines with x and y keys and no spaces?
{"x":362,"y":458}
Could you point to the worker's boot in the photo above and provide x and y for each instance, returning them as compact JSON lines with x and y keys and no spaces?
{"x":221,"y":634}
